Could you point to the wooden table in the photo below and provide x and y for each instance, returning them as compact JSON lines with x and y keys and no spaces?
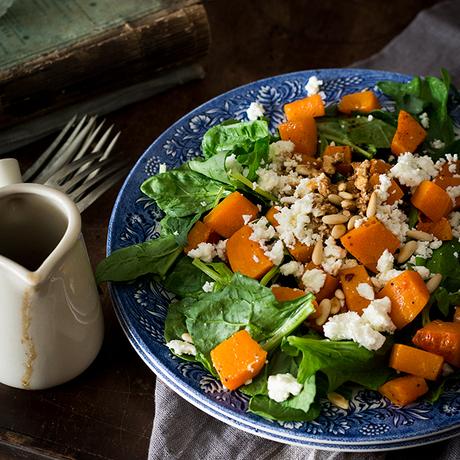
{"x":107,"y":412}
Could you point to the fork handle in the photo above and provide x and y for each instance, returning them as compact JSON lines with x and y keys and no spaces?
{"x":9,"y":172}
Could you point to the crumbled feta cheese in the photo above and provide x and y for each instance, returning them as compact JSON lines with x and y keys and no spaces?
{"x":377,"y":314}
{"x":313,"y":85}
{"x":454,"y":220}
{"x":382,"y":278}
{"x":262,"y":231}
{"x":248,"y":382}
{"x":385,"y":262}
{"x":394,"y":219}
{"x":221,"y":250}
{"x":412,"y":169}
{"x":351,"y":326}
{"x":281,"y":386}
{"x":203,"y":203}
{"x":382,"y":187}
{"x":422,"y":271}
{"x":292,"y":268}
{"x":370,"y":117}
{"x":280,"y":149}
{"x":333,"y":256}
{"x":349,"y":263}
{"x":454,"y":193}
{"x":232,"y":164}
{"x":437,"y":144}
{"x":366,"y":291}
{"x":162,"y":168}
{"x":208,"y":286}
{"x":186,"y":337}
{"x":313,"y":280}
{"x":204,"y":251}
{"x":276,"y":252}
{"x":255,"y":111}
{"x":423,"y":249}
{"x":246,"y":218}
{"x":179,"y":347}
{"x":424,"y":120}
{"x":255,"y":259}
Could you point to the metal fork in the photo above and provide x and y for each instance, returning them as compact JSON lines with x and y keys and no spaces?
{"x":78,"y":163}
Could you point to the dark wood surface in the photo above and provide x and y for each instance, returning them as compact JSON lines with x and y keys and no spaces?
{"x":107,"y":412}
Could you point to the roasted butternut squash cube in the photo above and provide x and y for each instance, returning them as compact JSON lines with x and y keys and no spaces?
{"x":409,"y":134}
{"x":238,"y":359}
{"x":432,"y":200}
{"x":404,"y":390}
{"x":350,"y":278}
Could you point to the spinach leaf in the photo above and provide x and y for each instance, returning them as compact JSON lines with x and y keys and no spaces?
{"x":296,"y":408}
{"x":445,"y":261}
{"x":408,"y":96}
{"x":444,"y":300}
{"x":186,"y":280}
{"x":182,"y":192}
{"x":126,"y":264}
{"x":437,"y":390}
{"x":214,"y":167}
{"x":178,"y":227}
{"x":227,"y":137}
{"x":413,"y":217}
{"x":216,"y":271}
{"x":244,"y":304}
{"x":253,"y":158}
{"x":340,"y":361}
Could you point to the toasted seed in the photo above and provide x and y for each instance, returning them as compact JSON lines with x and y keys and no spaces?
{"x":433,"y":283}
{"x":335,"y":306}
{"x":406,"y":251}
{"x":372,"y":205}
{"x":338,"y":400}
{"x":338,"y":231}
{"x":339,"y":294}
{"x":347,"y":204}
{"x":334,"y":199}
{"x":324,"y":308}
{"x":419,"y":235}
{"x":346,"y":213}
{"x":334,"y":219}
{"x":303,"y":170}
{"x":346,"y":195}
{"x":352,"y":222}
{"x":342,"y":186}
{"x":317,"y":254}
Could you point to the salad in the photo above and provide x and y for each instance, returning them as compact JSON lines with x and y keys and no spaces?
{"x":316,"y":256}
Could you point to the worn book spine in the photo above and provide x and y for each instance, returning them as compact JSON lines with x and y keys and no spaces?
{"x":122,"y":56}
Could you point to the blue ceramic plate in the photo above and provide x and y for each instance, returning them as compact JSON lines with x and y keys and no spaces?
{"x":371,"y":423}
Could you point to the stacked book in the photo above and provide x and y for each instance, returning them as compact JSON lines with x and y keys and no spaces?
{"x":61,"y":57}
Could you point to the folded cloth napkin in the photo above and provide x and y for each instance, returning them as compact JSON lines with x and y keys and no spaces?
{"x":180,"y":431}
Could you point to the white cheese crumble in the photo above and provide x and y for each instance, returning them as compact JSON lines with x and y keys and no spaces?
{"x":385,"y":269}
{"x":281,"y":386}
{"x":221,"y":250}
{"x":382,"y":187}
{"x":276,"y":252}
{"x":313,"y":85}
{"x":366,"y":291}
{"x":292,"y":268}
{"x":370,"y":117}
{"x":204,"y":251}
{"x":246,"y":218}
{"x":162,"y":168}
{"x":424,"y":120}
{"x":313,"y":280}
{"x":186,"y":337}
{"x":437,"y":144}
{"x":422,"y":271}
{"x":377,"y":314}
{"x":351,"y":326}
{"x":454,"y":193}
{"x":333,"y":256}
{"x":394,"y":219}
{"x":255,"y":111}
{"x":255,"y":259}
{"x":179,"y":347}
{"x":208,"y":286}
{"x":454,"y":220}
{"x":262,"y":231}
{"x":385,"y":262}
{"x":412,"y":169}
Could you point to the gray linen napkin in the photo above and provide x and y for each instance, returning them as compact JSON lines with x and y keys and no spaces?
{"x":181,"y":431}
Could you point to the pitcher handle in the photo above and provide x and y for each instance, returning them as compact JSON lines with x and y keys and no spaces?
{"x":9,"y":172}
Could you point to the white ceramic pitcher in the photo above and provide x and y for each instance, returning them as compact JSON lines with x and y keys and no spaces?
{"x":51,"y":323}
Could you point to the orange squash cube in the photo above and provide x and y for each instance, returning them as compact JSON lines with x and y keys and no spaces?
{"x":246,"y":256}
{"x":311,"y":106}
{"x":408,"y":136}
{"x":200,"y":233}
{"x":301,"y":252}
{"x":432,"y":200}
{"x":364,"y":101}
{"x":238,"y":359}
{"x":302,"y":133}
{"x":394,"y":191}
{"x":227,"y":217}
{"x":350,"y":278}
{"x":440,"y":229}
{"x":282,"y":293}
{"x":404,"y":390}
{"x":408,"y":294}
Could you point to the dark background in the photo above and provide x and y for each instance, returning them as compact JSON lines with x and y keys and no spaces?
{"x":107,"y":412}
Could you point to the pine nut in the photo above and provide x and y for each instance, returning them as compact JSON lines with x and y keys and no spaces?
{"x":372,"y":205}
{"x":338,"y":231}
{"x":352,"y":222}
{"x":339,"y":294}
{"x":335,"y":306}
{"x":433,"y":283}
{"x":334,"y":219}
{"x":324,"y":308}
{"x":406,"y":251}
{"x":347,"y":204}
{"x":338,"y":400}
{"x":317,"y":254}
{"x":334,"y":199}
{"x":419,"y":235}
{"x":346,"y":195}
{"x":346,"y":213}
{"x":342,"y":186}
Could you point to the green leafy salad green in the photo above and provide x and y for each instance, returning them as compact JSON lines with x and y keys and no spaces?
{"x":321,"y":333}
